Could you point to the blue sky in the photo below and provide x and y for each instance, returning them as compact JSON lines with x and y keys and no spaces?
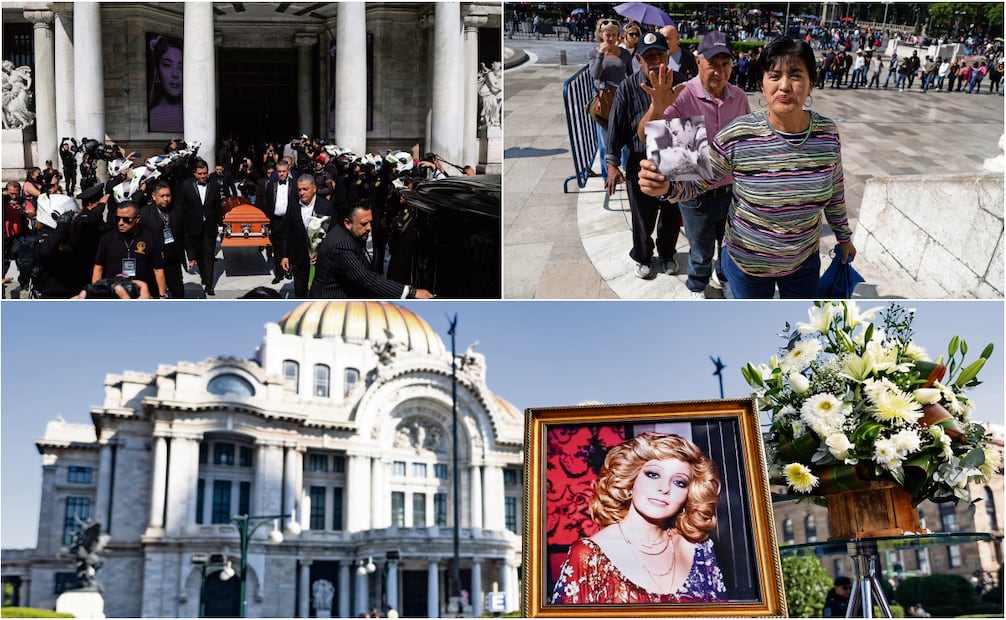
{"x":54,"y":357}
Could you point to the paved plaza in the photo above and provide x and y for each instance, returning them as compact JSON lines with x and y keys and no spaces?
{"x":575,"y":245}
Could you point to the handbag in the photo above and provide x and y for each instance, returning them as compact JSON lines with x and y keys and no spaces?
{"x":600,"y":105}
{"x":839,"y":280}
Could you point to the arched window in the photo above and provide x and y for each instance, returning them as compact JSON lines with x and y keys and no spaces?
{"x":322,"y":380}
{"x":810,"y":528}
{"x":291,"y":372}
{"x":230,"y":385}
{"x":990,"y":509}
{"x":787,"y":530}
{"x":350,"y":377}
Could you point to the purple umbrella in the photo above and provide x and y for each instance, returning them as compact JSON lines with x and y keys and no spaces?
{"x":644,"y":13}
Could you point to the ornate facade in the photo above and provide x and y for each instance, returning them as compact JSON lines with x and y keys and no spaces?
{"x":342,"y":421}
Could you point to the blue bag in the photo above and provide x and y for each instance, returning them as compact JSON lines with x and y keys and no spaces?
{"x":839,"y":280}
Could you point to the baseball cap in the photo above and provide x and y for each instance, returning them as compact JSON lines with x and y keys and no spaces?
{"x":651,"y":40}
{"x":714,"y":43}
{"x":89,"y":195}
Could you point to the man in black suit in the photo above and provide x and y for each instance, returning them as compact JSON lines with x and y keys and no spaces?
{"x":225,"y":184}
{"x":202,"y":215}
{"x":344,"y":270}
{"x":277,"y":196}
{"x":297,"y":256}
{"x":163,"y":215}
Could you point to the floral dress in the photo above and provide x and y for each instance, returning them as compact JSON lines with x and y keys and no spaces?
{"x":588,"y":577}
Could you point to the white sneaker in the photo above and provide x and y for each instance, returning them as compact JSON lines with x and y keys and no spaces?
{"x":670,"y":267}
{"x":714,"y":281}
{"x":696,"y":295}
{"x":643,"y":271}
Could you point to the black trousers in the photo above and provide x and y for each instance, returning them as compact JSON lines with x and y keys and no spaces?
{"x":203,"y":247}
{"x":277,"y":235}
{"x":300,"y":275}
{"x":648,"y":214}
{"x":173,"y":279}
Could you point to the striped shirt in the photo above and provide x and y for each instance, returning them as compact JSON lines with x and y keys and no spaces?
{"x":781,"y":190}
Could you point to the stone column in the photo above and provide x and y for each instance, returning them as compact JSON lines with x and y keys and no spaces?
{"x":199,"y":82}
{"x":469,"y":82}
{"x":495,"y":513}
{"x":358,"y":488}
{"x":268,"y":486}
{"x":433,"y":589}
{"x":102,"y":503}
{"x":305,"y":42}
{"x":343,"y":592}
{"x":362,"y":603}
{"x":66,"y":127}
{"x":379,"y":516}
{"x":182,"y":474}
{"x":88,"y":72}
{"x":350,"y":62}
{"x":292,"y":474}
{"x":477,"y":595}
{"x":513,"y":587}
{"x":476,"y":494}
{"x":392,"y":588}
{"x":505,"y":579}
{"x":304,"y":606}
{"x":158,"y":483}
{"x":44,"y":79}
{"x":445,"y":130}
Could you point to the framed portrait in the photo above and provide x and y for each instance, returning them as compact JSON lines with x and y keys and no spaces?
{"x":164,"y":83}
{"x":649,"y":509}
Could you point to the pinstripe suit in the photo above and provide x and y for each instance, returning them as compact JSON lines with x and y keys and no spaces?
{"x":344,"y":271}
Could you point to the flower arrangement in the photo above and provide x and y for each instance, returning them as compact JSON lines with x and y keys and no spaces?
{"x":317,"y":228}
{"x":853,"y":400}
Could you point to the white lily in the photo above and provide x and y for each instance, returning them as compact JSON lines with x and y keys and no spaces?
{"x":820,"y":320}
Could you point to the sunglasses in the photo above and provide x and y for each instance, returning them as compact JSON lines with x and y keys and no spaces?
{"x":124,"y":218}
{"x":608,"y":22}
{"x":632,"y":34}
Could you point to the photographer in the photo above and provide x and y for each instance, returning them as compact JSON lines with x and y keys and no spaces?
{"x":131,"y":251}
{"x":68,"y":155}
{"x":118,"y":287}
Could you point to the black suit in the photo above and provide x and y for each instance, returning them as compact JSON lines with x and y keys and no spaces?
{"x":277,"y":224}
{"x":295,"y":243}
{"x":201,"y":220}
{"x":174,"y":252}
{"x":344,"y":271}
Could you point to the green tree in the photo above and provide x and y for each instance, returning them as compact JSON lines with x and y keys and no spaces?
{"x":806,"y":584}
{"x":939,"y":594}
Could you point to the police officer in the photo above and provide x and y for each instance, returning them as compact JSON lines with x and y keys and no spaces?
{"x":54,"y":269}
{"x":88,"y":228}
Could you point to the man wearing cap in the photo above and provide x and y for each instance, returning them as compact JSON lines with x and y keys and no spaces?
{"x":276,"y":198}
{"x":710,"y":95}
{"x":631,"y":103}
{"x":89,"y":226}
{"x":200,"y":200}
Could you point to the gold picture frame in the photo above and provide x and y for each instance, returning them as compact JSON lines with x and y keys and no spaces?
{"x":565,"y":450}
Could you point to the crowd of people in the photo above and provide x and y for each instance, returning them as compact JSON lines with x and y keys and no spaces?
{"x":333,"y":217}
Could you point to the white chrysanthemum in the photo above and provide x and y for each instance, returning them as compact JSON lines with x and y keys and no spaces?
{"x":886,"y":454}
{"x":839,"y":445}
{"x":824,"y":413}
{"x":799,"y":478}
{"x":800,"y":356}
{"x":798,"y":383}
{"x":906,"y":441}
{"x":895,"y":407}
{"x":916,"y":352}
{"x":820,"y":320}
{"x":993,"y":462}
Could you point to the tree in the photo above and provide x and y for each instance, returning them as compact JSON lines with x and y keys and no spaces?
{"x":807,"y":584}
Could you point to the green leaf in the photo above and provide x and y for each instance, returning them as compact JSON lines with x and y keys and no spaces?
{"x":867,"y":432}
{"x":899,"y":476}
{"x":975,"y":458}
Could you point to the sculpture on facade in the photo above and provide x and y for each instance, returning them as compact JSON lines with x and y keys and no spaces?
{"x":387,"y":350}
{"x":322,"y":591}
{"x":16,"y":96}
{"x":490,"y":94}
{"x":86,"y":550}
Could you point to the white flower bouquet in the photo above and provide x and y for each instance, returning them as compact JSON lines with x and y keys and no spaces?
{"x":317,"y":228}
{"x":853,"y":400}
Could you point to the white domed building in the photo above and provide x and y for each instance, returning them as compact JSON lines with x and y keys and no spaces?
{"x":341,"y":428}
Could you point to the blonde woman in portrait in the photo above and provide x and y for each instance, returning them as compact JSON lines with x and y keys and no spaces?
{"x":656,"y":499}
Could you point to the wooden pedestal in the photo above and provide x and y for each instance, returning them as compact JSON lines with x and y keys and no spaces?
{"x":879,"y":509}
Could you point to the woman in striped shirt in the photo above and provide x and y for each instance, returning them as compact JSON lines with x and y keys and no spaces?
{"x":786,"y":164}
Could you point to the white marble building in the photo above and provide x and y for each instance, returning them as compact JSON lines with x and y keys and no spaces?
{"x":367,"y":75}
{"x":343,"y":420}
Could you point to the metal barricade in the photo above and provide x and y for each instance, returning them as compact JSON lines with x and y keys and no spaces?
{"x":577,"y":92}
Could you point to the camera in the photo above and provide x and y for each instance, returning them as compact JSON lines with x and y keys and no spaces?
{"x":98,"y":150}
{"x":105,"y":288}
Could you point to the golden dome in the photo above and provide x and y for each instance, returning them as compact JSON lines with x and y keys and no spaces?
{"x":356,"y":321}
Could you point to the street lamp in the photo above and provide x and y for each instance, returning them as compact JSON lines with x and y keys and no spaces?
{"x":247,"y":526}
{"x":366,"y":569}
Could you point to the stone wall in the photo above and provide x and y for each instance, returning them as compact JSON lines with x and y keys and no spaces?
{"x":941,"y":236}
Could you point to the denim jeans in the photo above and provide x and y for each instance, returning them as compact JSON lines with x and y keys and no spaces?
{"x":801,"y":284}
{"x":705,"y":219}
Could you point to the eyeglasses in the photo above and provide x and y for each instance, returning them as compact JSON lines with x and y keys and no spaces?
{"x":632,"y":34}
{"x":125,"y":218}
